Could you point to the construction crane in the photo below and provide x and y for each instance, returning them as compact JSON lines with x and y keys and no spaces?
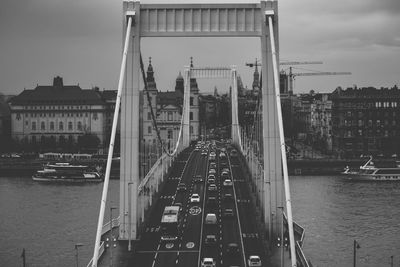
{"x":292,"y":76}
{"x":256,"y":63}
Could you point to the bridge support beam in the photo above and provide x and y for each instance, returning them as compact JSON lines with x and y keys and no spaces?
{"x":235,"y":131}
{"x":129,"y":168}
{"x":186,"y":108}
{"x":272,"y":180}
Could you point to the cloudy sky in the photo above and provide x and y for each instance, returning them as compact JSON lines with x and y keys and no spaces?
{"x":81,"y":41}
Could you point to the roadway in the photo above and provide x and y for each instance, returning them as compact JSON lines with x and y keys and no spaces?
{"x":189,"y":249}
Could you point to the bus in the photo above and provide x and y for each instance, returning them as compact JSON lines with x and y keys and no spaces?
{"x":170,"y":223}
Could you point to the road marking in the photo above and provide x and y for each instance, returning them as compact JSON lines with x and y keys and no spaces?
{"x":238,"y":215}
{"x":169,"y":245}
{"x":190,"y":245}
{"x":166,"y":251}
{"x":195,"y":210}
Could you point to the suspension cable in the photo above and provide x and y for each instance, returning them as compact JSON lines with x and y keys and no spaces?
{"x":153,"y":117}
{"x":111,"y":148}
{"x":283,"y":147}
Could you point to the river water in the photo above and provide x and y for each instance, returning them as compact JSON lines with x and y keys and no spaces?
{"x":48,"y":220}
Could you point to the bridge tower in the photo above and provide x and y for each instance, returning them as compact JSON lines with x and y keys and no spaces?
{"x":199,"y":20}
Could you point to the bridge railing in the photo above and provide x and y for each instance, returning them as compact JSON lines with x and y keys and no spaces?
{"x":149,"y":186}
{"x":299,"y":233}
{"x":106,"y":228}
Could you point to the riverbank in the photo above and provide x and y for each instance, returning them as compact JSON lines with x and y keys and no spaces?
{"x":10,"y":167}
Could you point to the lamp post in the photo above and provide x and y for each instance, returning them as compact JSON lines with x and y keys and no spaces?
{"x":129,"y":215}
{"x":76,"y":253}
{"x":355,"y":247}
{"x":391,"y":261}
{"x":282,"y":258}
{"x":111,"y":236}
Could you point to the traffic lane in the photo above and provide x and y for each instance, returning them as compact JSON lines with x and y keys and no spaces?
{"x":231,"y":235}
{"x":193,"y":211}
{"x":142,"y":259}
{"x":166,"y":259}
{"x":214,"y":251}
{"x":188,"y":258}
{"x":252,"y":243}
{"x":150,"y":238}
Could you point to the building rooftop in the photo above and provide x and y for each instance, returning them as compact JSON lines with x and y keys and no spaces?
{"x":58,"y":93}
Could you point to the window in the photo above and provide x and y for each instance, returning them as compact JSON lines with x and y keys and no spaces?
{"x":42,"y":126}
{"x":170,"y":135}
{"x":18,"y":116}
{"x":79,"y":126}
{"x":378,"y":123}
{"x":360,"y":133}
{"x":95,"y":115}
{"x":33,"y":140}
{"x":52,"y":125}
{"x":148,"y":115}
{"x":191,"y":129}
{"x":360,"y":123}
{"x":191,"y":101}
{"x":149,"y":130}
{"x":26,"y":123}
{"x":33,"y":125}
{"x":191,"y":116}
{"x":170,"y":116}
{"x":61,"y":126}
{"x":70,"y":126}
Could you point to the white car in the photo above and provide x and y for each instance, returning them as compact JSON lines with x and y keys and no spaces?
{"x":254,"y":261}
{"x":208,"y":262}
{"x":228,"y":182}
{"x":194,"y":198}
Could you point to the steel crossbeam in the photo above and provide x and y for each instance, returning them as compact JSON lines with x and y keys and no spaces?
{"x":186,"y":20}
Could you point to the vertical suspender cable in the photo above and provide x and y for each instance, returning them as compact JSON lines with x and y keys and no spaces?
{"x":283,"y":147}
{"x":111,"y":147}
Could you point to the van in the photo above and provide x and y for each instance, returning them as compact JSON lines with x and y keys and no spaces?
{"x":211,"y":218}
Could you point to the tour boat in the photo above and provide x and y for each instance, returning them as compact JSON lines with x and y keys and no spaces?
{"x":66,"y":172}
{"x":369,"y":172}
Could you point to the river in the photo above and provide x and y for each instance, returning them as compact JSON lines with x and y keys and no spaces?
{"x":48,"y":220}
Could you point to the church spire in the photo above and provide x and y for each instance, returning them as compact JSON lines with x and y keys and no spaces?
{"x":151,"y":84}
{"x":193,"y":83}
{"x":256,"y":78}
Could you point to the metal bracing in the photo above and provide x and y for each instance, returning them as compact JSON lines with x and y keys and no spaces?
{"x":187,"y":20}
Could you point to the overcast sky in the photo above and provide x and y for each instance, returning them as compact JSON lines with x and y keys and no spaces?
{"x":81,"y":41}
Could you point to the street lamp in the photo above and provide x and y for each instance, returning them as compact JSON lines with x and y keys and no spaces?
{"x":129,"y":214}
{"x":76,"y":252}
{"x":355,"y":247}
{"x":281,"y":241}
{"x":111,"y":236}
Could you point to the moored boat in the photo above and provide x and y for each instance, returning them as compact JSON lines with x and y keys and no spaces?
{"x":369,"y":172}
{"x":66,"y":172}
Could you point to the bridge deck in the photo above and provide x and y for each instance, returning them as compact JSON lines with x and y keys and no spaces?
{"x":189,"y":249}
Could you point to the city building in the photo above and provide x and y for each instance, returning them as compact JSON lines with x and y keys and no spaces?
{"x":56,"y":115}
{"x":167,"y":109}
{"x":5,"y":125}
{"x":366,"y":121}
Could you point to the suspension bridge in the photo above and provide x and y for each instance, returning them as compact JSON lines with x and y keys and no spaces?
{"x":231,"y":201}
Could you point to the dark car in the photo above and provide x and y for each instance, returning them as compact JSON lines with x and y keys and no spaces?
{"x":212,"y":201}
{"x":210,"y":240}
{"x":198,"y":179}
{"x":181,"y":187}
{"x":228,"y":213}
{"x":232,"y":249}
{"x":228,"y":196}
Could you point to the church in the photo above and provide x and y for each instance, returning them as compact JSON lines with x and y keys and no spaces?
{"x":167,"y":107}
